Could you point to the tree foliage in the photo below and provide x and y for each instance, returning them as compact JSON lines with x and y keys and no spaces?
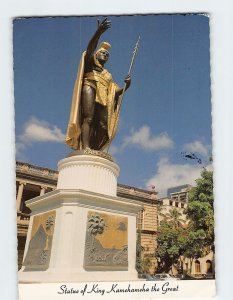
{"x":194,"y":240}
{"x":171,"y":244}
{"x":174,"y":218}
{"x":203,"y":191}
{"x":139,"y":250}
{"x":200,"y":213}
{"x":143,"y":261}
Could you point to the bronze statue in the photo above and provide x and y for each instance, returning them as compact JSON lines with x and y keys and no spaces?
{"x":96,"y":98}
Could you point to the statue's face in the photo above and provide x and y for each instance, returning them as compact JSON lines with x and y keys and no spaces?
{"x":102,"y":56}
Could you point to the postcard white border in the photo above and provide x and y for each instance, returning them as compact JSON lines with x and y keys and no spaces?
{"x":137,"y":290}
{"x":221,"y":21}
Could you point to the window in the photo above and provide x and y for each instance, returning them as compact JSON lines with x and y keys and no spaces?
{"x":197,"y":267}
{"x":209,"y":266}
{"x":183,"y":198}
{"x":140,"y":219}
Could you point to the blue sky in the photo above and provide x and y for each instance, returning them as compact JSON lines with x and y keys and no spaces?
{"x":166,"y":111}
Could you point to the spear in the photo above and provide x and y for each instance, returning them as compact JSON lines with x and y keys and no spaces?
{"x":124,"y":88}
{"x":130,"y":68}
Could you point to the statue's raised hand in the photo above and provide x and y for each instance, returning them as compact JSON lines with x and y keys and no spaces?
{"x":104,"y":25}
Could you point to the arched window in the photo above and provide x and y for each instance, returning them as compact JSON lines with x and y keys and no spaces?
{"x":209,"y":268}
{"x":197,"y":267}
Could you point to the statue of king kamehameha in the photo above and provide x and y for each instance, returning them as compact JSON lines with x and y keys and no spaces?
{"x":96,"y":98}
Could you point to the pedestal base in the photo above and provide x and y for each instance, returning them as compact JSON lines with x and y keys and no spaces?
{"x":82,"y":231}
{"x":63,"y":245}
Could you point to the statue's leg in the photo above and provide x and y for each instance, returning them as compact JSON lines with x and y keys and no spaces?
{"x":88,"y":108}
{"x":102,"y":117}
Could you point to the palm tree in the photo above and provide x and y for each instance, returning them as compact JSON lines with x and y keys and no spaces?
{"x":174,"y":218}
{"x":49,"y":226}
{"x":161,"y":214}
{"x":96,"y":226}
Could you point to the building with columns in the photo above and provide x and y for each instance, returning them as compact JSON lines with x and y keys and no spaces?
{"x":33,"y":181}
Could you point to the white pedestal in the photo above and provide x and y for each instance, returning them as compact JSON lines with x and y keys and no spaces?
{"x":70,"y":206}
{"x":90,"y":173}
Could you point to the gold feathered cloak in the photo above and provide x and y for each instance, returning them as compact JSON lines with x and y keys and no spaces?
{"x":73,"y":136}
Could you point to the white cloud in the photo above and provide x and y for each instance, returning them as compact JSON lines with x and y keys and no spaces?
{"x":40,"y":131}
{"x":146,"y":141}
{"x":113,"y":149}
{"x":197,"y":147}
{"x":171,"y":175}
{"x":35,"y":131}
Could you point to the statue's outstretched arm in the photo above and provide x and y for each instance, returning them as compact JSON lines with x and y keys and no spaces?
{"x":104,"y":25}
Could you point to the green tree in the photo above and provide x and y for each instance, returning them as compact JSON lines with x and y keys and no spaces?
{"x":146,"y":264}
{"x":160,"y":213}
{"x":194,"y":245}
{"x":174,"y":218}
{"x":194,"y":240}
{"x":200,"y":213}
{"x":171,"y":243}
{"x":139,"y":250}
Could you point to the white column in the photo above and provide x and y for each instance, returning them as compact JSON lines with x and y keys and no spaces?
{"x":89,"y":173}
{"x":42,"y":191}
{"x":19,"y":195}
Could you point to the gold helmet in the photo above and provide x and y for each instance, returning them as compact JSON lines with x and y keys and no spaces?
{"x":104,"y":46}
